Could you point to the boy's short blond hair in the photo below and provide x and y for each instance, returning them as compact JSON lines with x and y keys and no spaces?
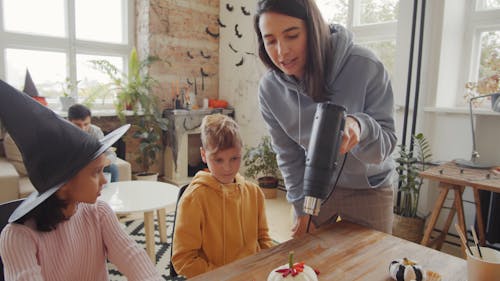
{"x":219,"y":132}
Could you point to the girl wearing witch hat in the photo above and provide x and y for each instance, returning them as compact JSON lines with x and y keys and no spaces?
{"x":61,"y":232}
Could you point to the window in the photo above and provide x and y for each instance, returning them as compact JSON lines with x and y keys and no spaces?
{"x":56,"y":39}
{"x":483,"y":37}
{"x":467,"y":37}
{"x":488,"y":4}
{"x":372,"y":21}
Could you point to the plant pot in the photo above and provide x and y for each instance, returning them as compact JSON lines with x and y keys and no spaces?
{"x":411,"y":229}
{"x":66,"y":102}
{"x":268,"y":185}
{"x":146,"y":177}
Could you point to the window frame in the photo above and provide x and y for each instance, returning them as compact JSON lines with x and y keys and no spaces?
{"x":69,"y":45}
{"x":397,"y":31}
{"x":365,"y":32}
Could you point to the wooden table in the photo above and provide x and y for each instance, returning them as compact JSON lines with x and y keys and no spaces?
{"x":454,"y":178}
{"x":344,"y":251}
{"x":126,"y":197}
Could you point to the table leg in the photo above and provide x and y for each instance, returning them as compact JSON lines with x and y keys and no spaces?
{"x":435,"y":214}
{"x":479,"y":217}
{"x":440,"y":239}
{"x":162,"y":225}
{"x":150,"y":235}
{"x":460,"y":213}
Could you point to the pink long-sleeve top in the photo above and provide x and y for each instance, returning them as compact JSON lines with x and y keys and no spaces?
{"x":76,"y":250}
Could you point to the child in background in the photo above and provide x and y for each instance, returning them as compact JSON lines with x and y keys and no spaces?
{"x":61,"y":232}
{"x":221,"y":216}
{"x":80,"y":115}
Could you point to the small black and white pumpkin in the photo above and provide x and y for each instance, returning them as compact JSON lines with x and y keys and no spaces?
{"x":406,"y":270}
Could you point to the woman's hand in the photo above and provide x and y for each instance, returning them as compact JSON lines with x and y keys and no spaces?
{"x":300,"y":226}
{"x":350,"y":137}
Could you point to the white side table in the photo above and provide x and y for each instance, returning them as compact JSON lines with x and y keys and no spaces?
{"x":146,"y":197}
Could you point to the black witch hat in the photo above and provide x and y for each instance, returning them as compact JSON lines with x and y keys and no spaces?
{"x":29,"y":86}
{"x":53,"y":149}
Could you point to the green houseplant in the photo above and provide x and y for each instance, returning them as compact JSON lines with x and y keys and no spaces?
{"x":134,"y":92}
{"x":407,"y":224}
{"x":260,"y":162}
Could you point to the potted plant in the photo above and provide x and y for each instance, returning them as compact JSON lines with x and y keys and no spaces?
{"x":66,"y":99}
{"x":407,"y":224}
{"x":134,"y":92}
{"x":261,"y":164}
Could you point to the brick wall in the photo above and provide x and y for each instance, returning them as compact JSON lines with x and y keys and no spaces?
{"x":176,"y":32}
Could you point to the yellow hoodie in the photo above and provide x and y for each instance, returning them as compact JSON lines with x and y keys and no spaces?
{"x":217,"y":224}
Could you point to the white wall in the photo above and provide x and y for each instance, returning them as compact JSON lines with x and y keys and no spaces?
{"x":238,"y":84}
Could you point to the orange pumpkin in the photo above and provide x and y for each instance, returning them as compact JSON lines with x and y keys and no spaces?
{"x":213,"y":103}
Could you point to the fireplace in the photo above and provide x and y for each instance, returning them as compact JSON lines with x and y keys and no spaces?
{"x":182,"y":152}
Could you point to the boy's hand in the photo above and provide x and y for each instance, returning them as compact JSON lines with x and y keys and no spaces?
{"x":300,"y":226}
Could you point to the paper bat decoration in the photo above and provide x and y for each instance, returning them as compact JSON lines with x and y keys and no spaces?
{"x":205,"y":56}
{"x":220,"y":23}
{"x":233,"y":49}
{"x":244,"y":11}
{"x":237,"y":32}
{"x":214,"y":35}
{"x":240,"y":63}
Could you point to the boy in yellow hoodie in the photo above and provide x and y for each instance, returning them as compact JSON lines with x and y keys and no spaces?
{"x":220,"y":217}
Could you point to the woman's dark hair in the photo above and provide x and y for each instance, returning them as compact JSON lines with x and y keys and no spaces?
{"x":319,"y":47}
{"x":78,"y":112}
{"x":48,"y":214}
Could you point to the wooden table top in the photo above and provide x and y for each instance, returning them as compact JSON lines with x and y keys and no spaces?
{"x":344,"y":251}
{"x":452,"y":174}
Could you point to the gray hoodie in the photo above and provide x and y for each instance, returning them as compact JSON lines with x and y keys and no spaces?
{"x":357,"y":81}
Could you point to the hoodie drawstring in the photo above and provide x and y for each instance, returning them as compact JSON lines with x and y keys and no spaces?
{"x":223,"y":223}
{"x":300,"y":120}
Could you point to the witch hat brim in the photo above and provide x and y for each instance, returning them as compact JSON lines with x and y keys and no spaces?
{"x":53,"y":149}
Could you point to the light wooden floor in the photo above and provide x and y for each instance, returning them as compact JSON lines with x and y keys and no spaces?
{"x":279,"y":217}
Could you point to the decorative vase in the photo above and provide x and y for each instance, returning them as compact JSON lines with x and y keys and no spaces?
{"x":411,"y":229}
{"x":66,"y":102}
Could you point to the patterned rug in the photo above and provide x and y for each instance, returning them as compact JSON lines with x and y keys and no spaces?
{"x":135,"y":228}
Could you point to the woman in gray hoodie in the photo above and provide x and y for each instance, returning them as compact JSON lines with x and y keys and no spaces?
{"x":310,"y":62}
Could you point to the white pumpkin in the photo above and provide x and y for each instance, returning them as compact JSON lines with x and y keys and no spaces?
{"x":307,"y":275}
{"x":406,"y":270}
